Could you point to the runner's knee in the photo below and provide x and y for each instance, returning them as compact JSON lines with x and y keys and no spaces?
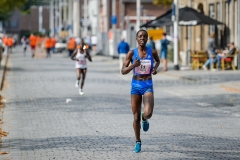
{"x":137,"y":118}
{"x":147,"y":115}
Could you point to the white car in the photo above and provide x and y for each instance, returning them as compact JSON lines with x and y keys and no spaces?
{"x":59,"y":47}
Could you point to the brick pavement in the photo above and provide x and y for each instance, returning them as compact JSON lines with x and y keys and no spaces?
{"x":193,"y":119}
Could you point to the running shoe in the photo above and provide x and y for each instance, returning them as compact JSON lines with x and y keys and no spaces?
{"x":145,"y":124}
{"x":76,"y":84}
{"x":81,"y":92}
{"x":137,"y":147}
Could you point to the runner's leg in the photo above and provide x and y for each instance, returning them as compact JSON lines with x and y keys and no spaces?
{"x":84,"y":72}
{"x":136,"y":101}
{"x":78,"y":73}
{"x":148,"y":102}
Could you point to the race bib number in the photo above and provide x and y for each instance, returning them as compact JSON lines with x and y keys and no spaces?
{"x":82,"y":62}
{"x":144,"y":68}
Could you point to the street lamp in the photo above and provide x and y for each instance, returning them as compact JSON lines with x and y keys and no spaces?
{"x":175,"y":13}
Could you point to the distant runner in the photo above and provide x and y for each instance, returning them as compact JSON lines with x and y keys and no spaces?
{"x":48,"y":46}
{"x":81,"y":55}
{"x":33,"y":42}
{"x":142,"y":63}
{"x":24,"y":43}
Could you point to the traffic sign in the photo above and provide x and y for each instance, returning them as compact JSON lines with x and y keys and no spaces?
{"x":114,"y":20}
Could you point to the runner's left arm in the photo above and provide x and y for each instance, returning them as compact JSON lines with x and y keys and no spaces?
{"x":73,"y":55}
{"x":88,"y":56}
{"x":157,"y":61}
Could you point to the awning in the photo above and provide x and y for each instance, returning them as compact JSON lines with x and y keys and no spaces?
{"x":187,"y":17}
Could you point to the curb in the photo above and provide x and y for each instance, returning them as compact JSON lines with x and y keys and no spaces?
{"x":3,"y":70}
{"x":4,"y":67}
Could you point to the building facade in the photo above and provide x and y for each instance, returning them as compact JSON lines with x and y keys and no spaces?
{"x":225,"y":11}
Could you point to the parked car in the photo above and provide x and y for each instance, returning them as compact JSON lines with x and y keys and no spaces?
{"x":60,"y":47}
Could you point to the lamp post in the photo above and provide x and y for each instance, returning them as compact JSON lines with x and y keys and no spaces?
{"x":138,"y":13}
{"x":175,"y":28}
{"x":114,"y":25}
{"x":40,"y":20}
{"x":238,"y":64}
{"x":51,"y":19}
{"x":70,"y":17}
{"x":60,"y":18}
{"x":189,"y":37}
{"x":76,"y":18}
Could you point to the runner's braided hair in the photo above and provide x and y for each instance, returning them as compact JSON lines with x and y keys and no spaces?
{"x":143,"y":31}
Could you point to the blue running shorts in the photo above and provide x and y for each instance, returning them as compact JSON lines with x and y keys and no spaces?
{"x":141,"y":87}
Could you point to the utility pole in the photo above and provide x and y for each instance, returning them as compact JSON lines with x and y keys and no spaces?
{"x":76,"y":18}
{"x":51,"y":19}
{"x":175,"y":26}
{"x":55,"y":16}
{"x":189,"y":37}
{"x":98,"y":27}
{"x":40,"y":20}
{"x":138,"y":10}
{"x":114,"y":22}
{"x":60,"y":18}
{"x":85,"y":18}
{"x":70,"y":17}
{"x":65,"y":12}
{"x":238,"y":64}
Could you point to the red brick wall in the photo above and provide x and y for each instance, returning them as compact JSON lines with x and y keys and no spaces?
{"x":25,"y":23}
{"x":34,"y":19}
{"x":46,"y":18}
{"x":153,"y":10}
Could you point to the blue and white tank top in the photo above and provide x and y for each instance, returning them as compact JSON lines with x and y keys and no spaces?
{"x":146,"y":65}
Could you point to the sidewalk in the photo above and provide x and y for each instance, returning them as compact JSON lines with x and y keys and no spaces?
{"x":3,"y":67}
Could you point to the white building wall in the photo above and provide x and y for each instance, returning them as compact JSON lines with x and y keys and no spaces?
{"x":93,"y":15}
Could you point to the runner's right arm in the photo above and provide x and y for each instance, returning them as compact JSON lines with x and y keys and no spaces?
{"x":126,"y":68}
{"x":73,"y":56}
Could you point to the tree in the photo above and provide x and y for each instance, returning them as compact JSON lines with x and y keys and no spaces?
{"x":163,"y":2}
{"x":7,"y":6}
{"x":26,"y":7}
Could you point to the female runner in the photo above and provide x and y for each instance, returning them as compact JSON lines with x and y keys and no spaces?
{"x":81,"y":55}
{"x":142,"y":62}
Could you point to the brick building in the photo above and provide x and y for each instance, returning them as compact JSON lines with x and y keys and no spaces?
{"x":20,"y":24}
{"x":226,"y":11}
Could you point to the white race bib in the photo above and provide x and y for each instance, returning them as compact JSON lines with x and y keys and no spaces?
{"x":144,"y":67}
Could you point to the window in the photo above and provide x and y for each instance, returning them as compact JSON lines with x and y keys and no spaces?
{"x":211,"y":14}
{"x":13,"y":24}
{"x":218,"y":12}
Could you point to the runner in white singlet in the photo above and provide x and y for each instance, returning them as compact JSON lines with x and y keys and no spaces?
{"x":81,"y":55}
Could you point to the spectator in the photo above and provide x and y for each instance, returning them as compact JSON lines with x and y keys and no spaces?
{"x":211,"y":51}
{"x":123,"y":49}
{"x":4,"y":40}
{"x":48,"y":46}
{"x":1,"y":49}
{"x":10,"y":42}
{"x":24,"y":43}
{"x":224,"y":54}
{"x":151,"y":43}
{"x":33,"y":43}
{"x":53,"y":42}
{"x":71,"y":46}
{"x":164,"y":51}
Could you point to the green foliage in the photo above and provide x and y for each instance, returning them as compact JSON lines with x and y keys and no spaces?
{"x":163,"y":2}
{"x":26,"y":7}
{"x":9,"y":5}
